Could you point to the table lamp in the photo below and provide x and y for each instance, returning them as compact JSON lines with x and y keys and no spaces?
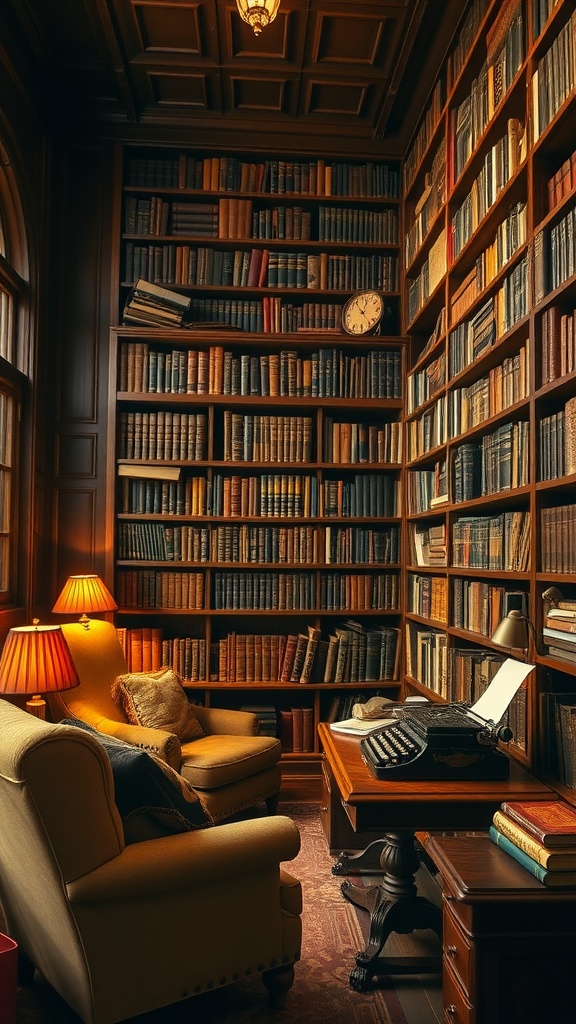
{"x":83,"y":594}
{"x":35,"y":660}
{"x":513,"y":631}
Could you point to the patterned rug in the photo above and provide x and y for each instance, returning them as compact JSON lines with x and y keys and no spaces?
{"x":332,"y":935}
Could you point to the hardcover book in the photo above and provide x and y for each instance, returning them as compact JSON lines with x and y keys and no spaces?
{"x":552,"y":879}
{"x":551,"y":822}
{"x":563,"y":859}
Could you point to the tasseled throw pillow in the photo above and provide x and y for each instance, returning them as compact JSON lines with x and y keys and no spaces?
{"x":157,"y":700}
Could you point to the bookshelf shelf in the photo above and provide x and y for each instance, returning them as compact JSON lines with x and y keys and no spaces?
{"x":521,"y":324}
{"x":277,"y":537}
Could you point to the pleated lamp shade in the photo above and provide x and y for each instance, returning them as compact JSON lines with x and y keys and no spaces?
{"x":35,"y":660}
{"x":83,"y":594}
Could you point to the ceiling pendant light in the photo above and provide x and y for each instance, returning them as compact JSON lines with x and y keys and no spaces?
{"x":258,"y":13}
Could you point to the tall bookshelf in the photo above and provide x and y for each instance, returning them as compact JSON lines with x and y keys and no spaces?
{"x":255,"y":454}
{"x":489,"y":296}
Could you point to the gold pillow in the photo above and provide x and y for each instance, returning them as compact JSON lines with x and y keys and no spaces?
{"x":157,"y":700}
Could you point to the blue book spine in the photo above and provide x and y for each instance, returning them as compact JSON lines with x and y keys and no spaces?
{"x":556,"y":878}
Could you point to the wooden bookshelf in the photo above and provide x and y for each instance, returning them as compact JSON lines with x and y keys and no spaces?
{"x":490,"y":370}
{"x":256,"y":453}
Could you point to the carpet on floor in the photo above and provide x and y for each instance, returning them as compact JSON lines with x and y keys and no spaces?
{"x":332,"y":935}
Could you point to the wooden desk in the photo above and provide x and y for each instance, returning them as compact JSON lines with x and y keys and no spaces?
{"x":509,"y":942}
{"x":394,"y":811}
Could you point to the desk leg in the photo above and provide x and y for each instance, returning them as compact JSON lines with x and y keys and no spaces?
{"x":367,"y":862}
{"x":394,"y":906}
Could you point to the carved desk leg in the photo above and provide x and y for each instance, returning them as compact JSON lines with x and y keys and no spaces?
{"x":368,"y":861}
{"x":394,"y":906}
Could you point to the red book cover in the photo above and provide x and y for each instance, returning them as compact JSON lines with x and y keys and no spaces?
{"x":551,"y":822}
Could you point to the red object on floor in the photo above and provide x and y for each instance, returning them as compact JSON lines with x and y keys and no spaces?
{"x":8,"y":983}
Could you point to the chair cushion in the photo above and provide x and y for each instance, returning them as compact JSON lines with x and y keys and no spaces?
{"x":219,"y":760}
{"x":157,"y":700}
{"x":152,"y":799}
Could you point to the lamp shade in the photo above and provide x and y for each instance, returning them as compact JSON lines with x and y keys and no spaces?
{"x":82,"y":594}
{"x":512,"y":630}
{"x":35,"y":659}
{"x":258,"y":13}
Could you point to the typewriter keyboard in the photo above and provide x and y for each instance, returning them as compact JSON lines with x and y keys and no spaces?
{"x":391,"y":747}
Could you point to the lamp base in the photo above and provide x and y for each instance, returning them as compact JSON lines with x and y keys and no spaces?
{"x":37,"y":707}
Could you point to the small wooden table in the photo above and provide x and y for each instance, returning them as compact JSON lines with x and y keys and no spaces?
{"x":394,"y":811}
{"x":509,"y":942}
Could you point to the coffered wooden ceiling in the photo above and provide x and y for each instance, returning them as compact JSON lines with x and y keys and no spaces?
{"x":331,"y":71}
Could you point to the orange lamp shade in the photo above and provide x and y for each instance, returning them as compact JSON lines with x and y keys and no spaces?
{"x":35,"y":659}
{"x":82,"y":594}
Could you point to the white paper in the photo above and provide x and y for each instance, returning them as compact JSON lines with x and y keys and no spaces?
{"x":492,"y":704}
{"x":362,"y":726}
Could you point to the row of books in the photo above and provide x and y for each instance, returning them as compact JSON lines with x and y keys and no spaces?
{"x":558,"y":353}
{"x":478,"y":606}
{"x":557,"y":443}
{"x":470,"y":118}
{"x":425,"y":383}
{"x":500,"y":541}
{"x":501,"y":387}
{"x":424,"y":134}
{"x":273,"y":495}
{"x":295,"y":729}
{"x":472,"y":337}
{"x":427,"y":206}
{"x":146,"y":649}
{"x":457,"y":674}
{"x":541,"y":837}
{"x":271,"y":314}
{"x":554,"y":78}
{"x":428,"y":596}
{"x":562,"y":182}
{"x":163,"y":434}
{"x":143,"y":588}
{"x":510,"y":236}
{"x":500,"y":163}
{"x":234,"y":174}
{"x":424,"y":285}
{"x":190,"y":266}
{"x":267,"y":438}
{"x":237,"y":219}
{"x":557,"y":539}
{"x":428,"y":545}
{"x":261,"y":590}
{"x":558,"y":753}
{"x":426,"y":488}
{"x":512,"y":299}
{"x":326,"y":373}
{"x":497,"y":462}
{"x":429,"y":430}
{"x":361,"y":442}
{"x":179,"y":436}
{"x":314,"y":545}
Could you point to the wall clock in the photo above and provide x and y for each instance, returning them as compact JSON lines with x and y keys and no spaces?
{"x":362,"y":313}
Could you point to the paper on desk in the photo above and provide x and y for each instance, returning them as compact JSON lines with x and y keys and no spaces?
{"x":492,"y":704}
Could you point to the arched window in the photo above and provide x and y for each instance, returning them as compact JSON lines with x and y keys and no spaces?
{"x":15,"y":363}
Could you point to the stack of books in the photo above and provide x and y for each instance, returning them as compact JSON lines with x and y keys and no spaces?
{"x":155,"y":306}
{"x":559,"y":631}
{"x":541,"y":836}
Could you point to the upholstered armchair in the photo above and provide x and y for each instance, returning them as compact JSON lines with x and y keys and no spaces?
{"x":230,"y":766}
{"x":119,"y":929}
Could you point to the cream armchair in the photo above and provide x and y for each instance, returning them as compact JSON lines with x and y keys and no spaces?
{"x":119,"y":930}
{"x":230,"y":767}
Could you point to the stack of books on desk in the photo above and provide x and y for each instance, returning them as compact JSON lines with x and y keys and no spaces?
{"x":541,"y":836}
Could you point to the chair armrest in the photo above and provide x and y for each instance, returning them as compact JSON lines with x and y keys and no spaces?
{"x":227,"y":722}
{"x":156,"y":741}
{"x":181,"y":861}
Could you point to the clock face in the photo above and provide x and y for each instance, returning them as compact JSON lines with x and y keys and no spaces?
{"x":363,"y":312}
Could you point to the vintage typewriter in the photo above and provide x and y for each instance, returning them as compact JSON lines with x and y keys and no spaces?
{"x":437,"y":741}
